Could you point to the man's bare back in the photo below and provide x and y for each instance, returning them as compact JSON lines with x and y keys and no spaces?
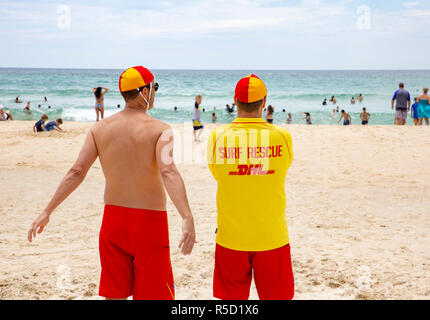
{"x":126,"y":144}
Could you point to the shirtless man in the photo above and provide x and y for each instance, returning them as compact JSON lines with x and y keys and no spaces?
{"x":136,"y":155}
{"x":365,"y":117}
{"x":346,"y":117}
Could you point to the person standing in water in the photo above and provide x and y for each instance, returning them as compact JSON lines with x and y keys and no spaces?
{"x":289,"y":119}
{"x":424,"y":107}
{"x":347,"y":118}
{"x":269,"y":114}
{"x":365,"y":117}
{"x":136,"y":155}
{"x":99,"y":93}
{"x":197,"y":122}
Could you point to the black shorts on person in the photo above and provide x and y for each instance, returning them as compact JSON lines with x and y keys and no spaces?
{"x":364,"y":122}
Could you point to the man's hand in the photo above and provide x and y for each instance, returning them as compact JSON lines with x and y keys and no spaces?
{"x":38,"y":225}
{"x":188,"y":236}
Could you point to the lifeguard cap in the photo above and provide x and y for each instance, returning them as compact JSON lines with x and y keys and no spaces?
{"x":134,"y":78}
{"x":250,"y":89}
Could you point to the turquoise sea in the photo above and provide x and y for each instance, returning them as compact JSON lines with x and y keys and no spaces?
{"x":69,"y":93}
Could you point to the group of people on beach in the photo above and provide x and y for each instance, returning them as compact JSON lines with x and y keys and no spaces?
{"x":136,"y":155}
{"x":420,"y":110}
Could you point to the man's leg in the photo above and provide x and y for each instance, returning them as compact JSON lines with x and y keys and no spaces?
{"x":232,"y":275}
{"x":273,"y":274}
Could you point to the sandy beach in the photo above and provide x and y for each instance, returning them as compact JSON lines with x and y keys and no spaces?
{"x":358,"y":214}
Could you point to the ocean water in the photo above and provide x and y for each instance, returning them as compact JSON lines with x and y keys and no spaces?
{"x":69,"y":93}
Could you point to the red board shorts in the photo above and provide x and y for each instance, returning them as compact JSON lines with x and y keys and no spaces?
{"x":273,"y":274}
{"x":135,"y":255}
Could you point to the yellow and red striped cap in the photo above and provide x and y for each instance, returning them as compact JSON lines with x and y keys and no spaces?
{"x":134,"y":78}
{"x":250,"y":89}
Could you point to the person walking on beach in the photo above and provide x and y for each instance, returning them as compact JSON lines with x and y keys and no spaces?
{"x":99,"y":93}
{"x":414,"y":112}
{"x":197,"y":122}
{"x":402,"y":98}
{"x":136,"y":155}
{"x":424,"y":107}
{"x":365,"y":117}
{"x":252,"y":235}
{"x":346,"y":117}
{"x":269,"y":114}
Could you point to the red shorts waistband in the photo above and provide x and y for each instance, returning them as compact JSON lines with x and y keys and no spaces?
{"x":119,"y":209}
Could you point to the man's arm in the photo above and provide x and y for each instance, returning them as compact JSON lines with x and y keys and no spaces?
{"x":175,"y":187}
{"x":70,"y":183}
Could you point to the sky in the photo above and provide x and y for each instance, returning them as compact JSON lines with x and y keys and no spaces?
{"x":216,"y":34}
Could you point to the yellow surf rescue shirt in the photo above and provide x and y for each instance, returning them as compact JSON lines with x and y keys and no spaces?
{"x":250,"y":159}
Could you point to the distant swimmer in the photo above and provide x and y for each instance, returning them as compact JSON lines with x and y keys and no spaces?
{"x":289,"y":119}
{"x":17,"y":100}
{"x":352,"y":100}
{"x":333,"y":113}
{"x":27,"y":108}
{"x":99,"y":93}
{"x":365,"y":117}
{"x":333,"y":100}
{"x":346,"y":117}
{"x":214,"y":118}
{"x":54,"y":125}
{"x":39,"y":106}
{"x":118,"y":106}
{"x":175,"y":109}
{"x":324,"y":102}
{"x":45,"y":99}
{"x":197,"y":122}
{"x":229,"y":110}
{"x":39,"y":126}
{"x":269,"y":114}
{"x":308,"y":118}
{"x":360,"y":98}
{"x":284,"y":111}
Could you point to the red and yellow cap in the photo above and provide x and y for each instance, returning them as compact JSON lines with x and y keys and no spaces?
{"x":134,"y":78}
{"x":250,"y":89}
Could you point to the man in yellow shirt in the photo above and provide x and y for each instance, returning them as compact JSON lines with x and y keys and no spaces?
{"x":250,"y":159}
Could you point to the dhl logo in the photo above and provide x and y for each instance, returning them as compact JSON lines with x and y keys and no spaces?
{"x":251,"y":170}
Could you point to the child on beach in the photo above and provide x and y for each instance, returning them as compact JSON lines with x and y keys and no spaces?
{"x":39,"y":126}
{"x":414,"y":112}
{"x":54,"y":125}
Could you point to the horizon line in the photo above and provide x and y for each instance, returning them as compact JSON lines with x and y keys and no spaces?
{"x":184,"y":69}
